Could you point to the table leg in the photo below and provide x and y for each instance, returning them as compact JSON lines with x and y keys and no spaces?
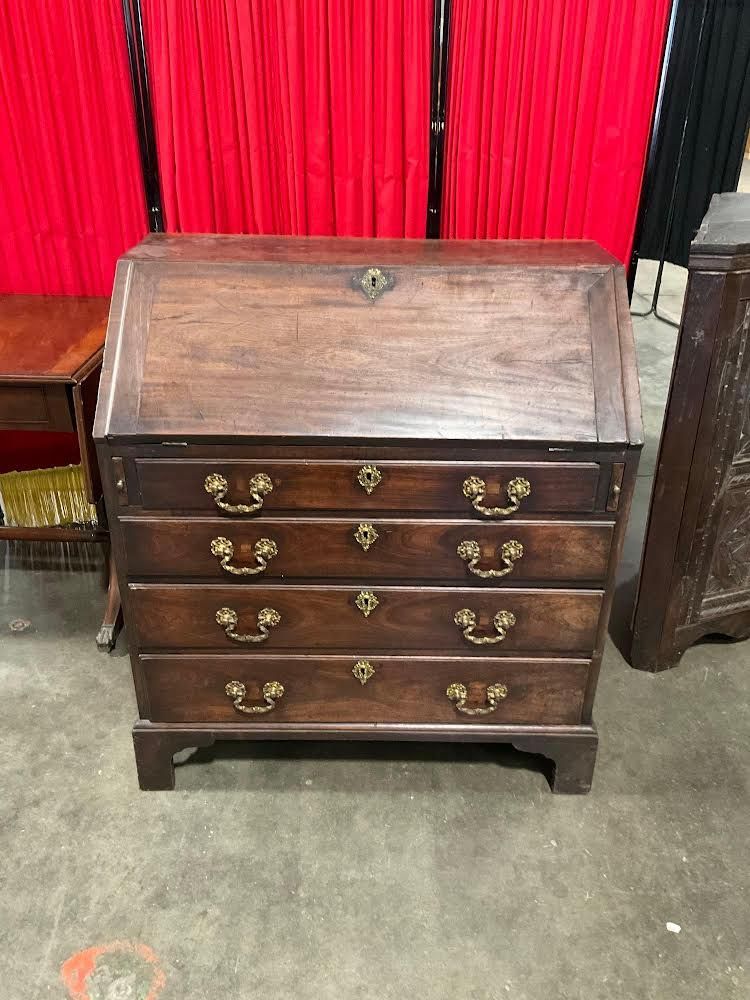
{"x":112,"y":622}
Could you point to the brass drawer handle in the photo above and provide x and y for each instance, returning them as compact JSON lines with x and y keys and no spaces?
{"x":471,"y":553}
{"x":264,"y":550}
{"x":217,"y":487}
{"x":267,"y":618}
{"x":467,"y":622}
{"x":272,"y":691}
{"x":475,"y":489}
{"x":458,"y":693}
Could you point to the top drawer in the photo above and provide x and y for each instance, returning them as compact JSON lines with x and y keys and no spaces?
{"x":483,"y":489}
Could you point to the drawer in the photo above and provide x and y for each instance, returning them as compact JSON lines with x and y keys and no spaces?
{"x":385,"y":486}
{"x":382,"y":618}
{"x":35,"y":408}
{"x":396,"y":689}
{"x":375,"y":549}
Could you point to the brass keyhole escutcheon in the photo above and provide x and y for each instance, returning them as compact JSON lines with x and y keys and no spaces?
{"x":366,"y":535}
{"x":363,"y":670}
{"x":366,"y":601}
{"x":369,"y":478}
{"x":373,"y":282}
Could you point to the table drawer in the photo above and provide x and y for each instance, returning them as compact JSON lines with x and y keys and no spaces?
{"x":396,"y":689}
{"x":375,"y":549}
{"x":35,"y":408}
{"x":382,"y":618}
{"x":356,"y":486}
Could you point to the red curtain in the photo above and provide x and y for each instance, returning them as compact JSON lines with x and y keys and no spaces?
{"x":292,"y":116}
{"x":70,"y":186}
{"x":549,"y":109}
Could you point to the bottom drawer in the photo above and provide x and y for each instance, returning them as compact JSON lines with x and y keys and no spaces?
{"x":395,"y":689}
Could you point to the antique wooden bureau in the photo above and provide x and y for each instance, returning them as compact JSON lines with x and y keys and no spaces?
{"x":367,"y":489}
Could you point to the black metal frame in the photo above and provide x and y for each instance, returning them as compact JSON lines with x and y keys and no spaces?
{"x":439,"y":85}
{"x":651,"y":163}
{"x":144,"y":116}
{"x":653,"y":146}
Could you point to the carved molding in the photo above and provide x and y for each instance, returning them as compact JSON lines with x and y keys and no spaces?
{"x":730,"y":567}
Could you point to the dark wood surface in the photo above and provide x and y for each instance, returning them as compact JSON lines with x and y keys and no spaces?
{"x":240,"y":356}
{"x":321,"y":617}
{"x":404,"y":549}
{"x":405,"y":486}
{"x":569,"y":750}
{"x":267,"y":347}
{"x":695,"y":575}
{"x":323,"y":689}
{"x":48,"y":338}
{"x":29,"y":406}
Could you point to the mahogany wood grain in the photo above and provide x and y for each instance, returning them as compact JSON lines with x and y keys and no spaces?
{"x":511,"y":349}
{"x":49,"y":337}
{"x":322,"y":617}
{"x":559,"y":487}
{"x":216,"y":249}
{"x":559,"y":551}
{"x":323,"y":689}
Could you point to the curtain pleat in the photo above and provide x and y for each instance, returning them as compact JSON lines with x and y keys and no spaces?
{"x":717,"y":126}
{"x":292,"y":116}
{"x":549,"y":111}
{"x":71,"y":195}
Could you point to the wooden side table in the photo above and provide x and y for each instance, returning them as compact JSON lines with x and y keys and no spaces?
{"x":50,"y":361}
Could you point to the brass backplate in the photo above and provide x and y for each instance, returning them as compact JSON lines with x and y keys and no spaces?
{"x":373,"y":282}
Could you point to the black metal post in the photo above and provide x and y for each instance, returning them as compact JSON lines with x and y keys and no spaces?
{"x":440,"y":46}
{"x":653,"y":147}
{"x":673,"y":194}
{"x":144,"y":117}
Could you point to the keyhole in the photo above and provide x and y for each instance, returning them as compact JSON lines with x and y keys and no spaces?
{"x":373,"y":281}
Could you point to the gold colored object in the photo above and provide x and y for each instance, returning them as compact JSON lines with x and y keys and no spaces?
{"x":475,"y":489}
{"x":267,"y":618}
{"x":217,"y":487}
{"x":39,"y":498}
{"x":264,"y":550}
{"x":471,"y":553}
{"x":366,"y":601}
{"x":467,"y":622}
{"x":373,"y":282}
{"x":272,"y":691}
{"x":458,"y":693}
{"x":363,"y":670}
{"x":369,"y":478}
{"x":366,"y":535}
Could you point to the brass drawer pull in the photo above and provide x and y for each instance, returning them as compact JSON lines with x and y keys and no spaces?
{"x":471,"y":553}
{"x":467,"y":622}
{"x":264,"y":550}
{"x":475,"y":490}
{"x":458,"y":693}
{"x":217,"y":487}
{"x":272,"y":691}
{"x":267,"y":618}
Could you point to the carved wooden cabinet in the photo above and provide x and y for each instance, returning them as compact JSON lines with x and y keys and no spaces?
{"x":695,"y":575}
{"x":367,"y":489}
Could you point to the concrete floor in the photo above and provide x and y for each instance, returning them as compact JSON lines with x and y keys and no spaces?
{"x":373,"y":872}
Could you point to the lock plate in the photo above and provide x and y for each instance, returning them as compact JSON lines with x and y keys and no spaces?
{"x":372,"y":282}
